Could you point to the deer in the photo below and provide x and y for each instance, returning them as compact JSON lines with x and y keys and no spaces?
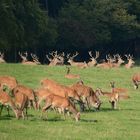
{"x":71,"y":76}
{"x":136,"y":80}
{"x":117,"y":90}
{"x":119,"y":62}
{"x":108,"y":64}
{"x":130,"y":63}
{"x":93,"y":61}
{"x":55,"y":59}
{"x":77,"y":64}
{"x":61,"y":102}
{"x":6,"y":99}
{"x":61,"y":90}
{"x":8,"y":81}
{"x":25,"y":61}
{"x":88,"y":96}
{"x":113,"y":97}
{"x":2,"y":58}
{"x":28,"y":92}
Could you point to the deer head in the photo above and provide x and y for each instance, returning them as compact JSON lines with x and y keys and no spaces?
{"x":23,"y":56}
{"x":35,"y":58}
{"x":93,"y":59}
{"x":70,"y":58}
{"x":131,"y":62}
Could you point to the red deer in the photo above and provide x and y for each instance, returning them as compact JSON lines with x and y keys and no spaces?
{"x":113,"y":97}
{"x":93,"y":61}
{"x":8,"y":81}
{"x":78,"y":64}
{"x":117,"y":90}
{"x":56,"y":59}
{"x":71,"y":76}
{"x":136,"y":80}
{"x":25,"y":61}
{"x":61,"y":102}
{"x":5,"y":100}
{"x":61,"y":90}
{"x":2,"y":58}
{"x":28,"y":92}
{"x":130,"y":63}
{"x":88,"y":96}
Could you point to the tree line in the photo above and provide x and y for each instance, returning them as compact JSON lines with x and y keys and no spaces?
{"x":40,"y":26}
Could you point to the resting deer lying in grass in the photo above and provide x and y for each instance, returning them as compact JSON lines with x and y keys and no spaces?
{"x":28,"y":92}
{"x":113,"y":97}
{"x":88,"y":96}
{"x":56,"y":59}
{"x":77,"y":64}
{"x":61,"y":102}
{"x":117,"y":90}
{"x":136,"y":80}
{"x":25,"y":61}
{"x":71,"y":76}
{"x":5,"y":100}
{"x":2,"y":58}
{"x":130,"y":63}
{"x":8,"y":81}
{"x":61,"y":90}
{"x":93,"y":61}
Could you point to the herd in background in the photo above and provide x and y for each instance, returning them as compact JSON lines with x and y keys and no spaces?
{"x":58,"y":97}
{"x":60,"y":59}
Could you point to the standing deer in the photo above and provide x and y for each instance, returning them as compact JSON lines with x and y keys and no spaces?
{"x":130,"y":63}
{"x":62,"y":103}
{"x":2,"y":58}
{"x":8,"y":81}
{"x":73,"y":63}
{"x":136,"y":80}
{"x":71,"y":76}
{"x":93,"y":61}
{"x":25,"y":61}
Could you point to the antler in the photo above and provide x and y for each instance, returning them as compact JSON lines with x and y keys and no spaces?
{"x":97,"y":54}
{"x":1,"y":55}
{"x":24,"y":57}
{"x":35,"y":58}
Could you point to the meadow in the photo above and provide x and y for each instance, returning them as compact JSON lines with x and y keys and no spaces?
{"x":106,"y":124}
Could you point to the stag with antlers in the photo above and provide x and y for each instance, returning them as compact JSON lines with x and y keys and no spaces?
{"x":130,"y":63}
{"x":73,"y":63}
{"x":93,"y":61}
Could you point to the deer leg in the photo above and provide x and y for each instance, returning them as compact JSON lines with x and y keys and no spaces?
{"x":87,"y":102}
{"x":47,"y":106}
{"x":7,"y":107}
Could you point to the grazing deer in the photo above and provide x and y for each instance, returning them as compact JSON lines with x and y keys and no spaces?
{"x":8,"y":81}
{"x":73,"y":63}
{"x":2,"y":58}
{"x":56,"y":59}
{"x":117,"y":90}
{"x":71,"y":76}
{"x":113,"y":97}
{"x":25,"y":61}
{"x":21,"y":102}
{"x":6,"y":99}
{"x":62,"y":103}
{"x":120,"y":61}
{"x":93,"y":61}
{"x":28,"y":92}
{"x":88,"y":96}
{"x":61,"y":90}
{"x":130,"y":63}
{"x":136,"y":80}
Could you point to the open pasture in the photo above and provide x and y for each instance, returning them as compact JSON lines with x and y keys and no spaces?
{"x":106,"y":124}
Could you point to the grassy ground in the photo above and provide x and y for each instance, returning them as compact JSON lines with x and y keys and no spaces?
{"x":106,"y":124}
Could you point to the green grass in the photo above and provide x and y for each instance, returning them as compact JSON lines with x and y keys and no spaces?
{"x":106,"y":124}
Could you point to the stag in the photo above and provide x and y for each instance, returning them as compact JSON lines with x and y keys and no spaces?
{"x":136,"y":80}
{"x":93,"y":61}
{"x":73,"y":63}
{"x":55,"y":59}
{"x":2,"y":58}
{"x":130,"y":63}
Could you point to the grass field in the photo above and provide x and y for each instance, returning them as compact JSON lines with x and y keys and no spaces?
{"x":106,"y":124}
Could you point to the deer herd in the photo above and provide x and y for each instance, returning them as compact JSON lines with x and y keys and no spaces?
{"x":58,"y":97}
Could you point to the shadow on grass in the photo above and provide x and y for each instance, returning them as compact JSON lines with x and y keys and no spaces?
{"x":6,"y":117}
{"x":88,"y":120}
